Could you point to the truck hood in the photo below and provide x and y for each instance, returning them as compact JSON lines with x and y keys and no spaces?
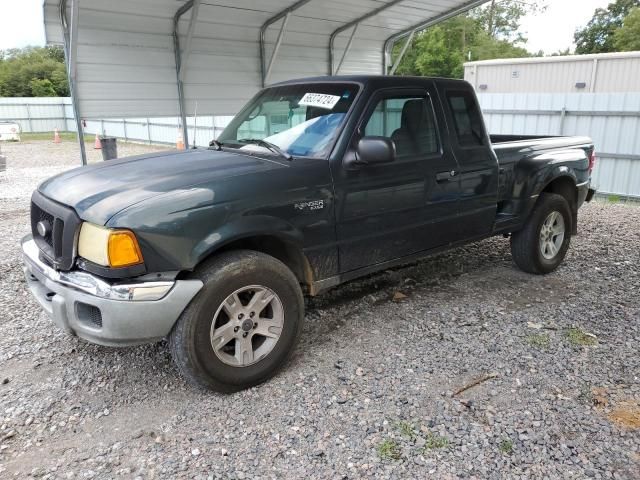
{"x":98,"y":192}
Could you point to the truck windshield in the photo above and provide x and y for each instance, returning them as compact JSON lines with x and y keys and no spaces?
{"x":302,"y":120}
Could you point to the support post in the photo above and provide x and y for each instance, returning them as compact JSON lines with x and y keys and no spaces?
{"x":396,"y":64}
{"x":388,"y":44}
{"x":283,"y":28}
{"x":178,"y":60}
{"x":263,"y":32}
{"x":187,"y":46}
{"x":346,"y":49}
{"x":70,"y":33}
{"x":338,"y":31}
{"x":29,"y":117}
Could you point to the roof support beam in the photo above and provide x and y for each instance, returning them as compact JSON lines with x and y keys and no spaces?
{"x":405,"y":47}
{"x":187,"y":46}
{"x":351,"y":24}
{"x":283,"y":28}
{"x":346,"y":49}
{"x":70,"y":33}
{"x":178,"y":61}
{"x":388,"y":44}
{"x":263,"y":32}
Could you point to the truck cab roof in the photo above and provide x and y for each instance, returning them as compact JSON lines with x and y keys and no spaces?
{"x":378,"y":81}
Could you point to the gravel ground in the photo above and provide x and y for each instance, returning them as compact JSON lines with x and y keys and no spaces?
{"x":373,"y":390}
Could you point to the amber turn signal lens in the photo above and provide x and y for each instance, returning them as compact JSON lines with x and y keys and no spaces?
{"x":123,"y":249}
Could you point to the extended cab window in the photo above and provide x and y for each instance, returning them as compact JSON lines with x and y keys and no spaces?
{"x":408,"y":121}
{"x":466,"y":117}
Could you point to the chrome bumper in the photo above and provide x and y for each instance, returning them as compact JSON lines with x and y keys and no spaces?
{"x":105,"y":313}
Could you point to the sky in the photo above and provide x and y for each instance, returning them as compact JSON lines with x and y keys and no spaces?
{"x":553,"y":30}
{"x":21,"y":23}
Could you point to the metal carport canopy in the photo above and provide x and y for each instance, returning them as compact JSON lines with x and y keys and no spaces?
{"x":124,"y":59}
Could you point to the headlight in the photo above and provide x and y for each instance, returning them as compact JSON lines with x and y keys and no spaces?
{"x":108,"y":247}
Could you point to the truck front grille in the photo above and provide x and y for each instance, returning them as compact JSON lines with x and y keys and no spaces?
{"x":39,"y":215}
{"x":59,"y":224}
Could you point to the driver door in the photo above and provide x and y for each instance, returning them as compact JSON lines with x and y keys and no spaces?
{"x":388,"y":211}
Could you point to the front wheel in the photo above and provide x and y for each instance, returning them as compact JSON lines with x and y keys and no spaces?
{"x":540,"y":247}
{"x":242,"y":325}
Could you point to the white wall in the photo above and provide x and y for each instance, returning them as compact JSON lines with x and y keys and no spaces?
{"x":612,"y":120}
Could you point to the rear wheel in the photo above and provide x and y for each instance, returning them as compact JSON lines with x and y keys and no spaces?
{"x":540,"y":247}
{"x":243,"y":324}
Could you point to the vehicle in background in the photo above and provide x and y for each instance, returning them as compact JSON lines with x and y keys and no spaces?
{"x":10,"y":132}
{"x":314,"y":183}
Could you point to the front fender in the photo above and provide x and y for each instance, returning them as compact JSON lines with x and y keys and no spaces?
{"x":245,"y":227}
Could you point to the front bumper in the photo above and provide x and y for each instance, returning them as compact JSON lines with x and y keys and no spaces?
{"x":105,"y":313}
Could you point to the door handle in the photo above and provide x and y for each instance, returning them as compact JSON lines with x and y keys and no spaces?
{"x":442,"y":177}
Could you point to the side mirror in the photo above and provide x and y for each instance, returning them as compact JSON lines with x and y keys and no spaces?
{"x":375,"y":150}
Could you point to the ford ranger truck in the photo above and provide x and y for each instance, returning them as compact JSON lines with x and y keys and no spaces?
{"x":314,"y":183}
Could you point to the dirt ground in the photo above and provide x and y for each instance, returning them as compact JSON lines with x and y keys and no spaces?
{"x":458,"y":366}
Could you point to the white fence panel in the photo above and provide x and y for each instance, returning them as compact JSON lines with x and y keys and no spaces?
{"x":612,"y":120}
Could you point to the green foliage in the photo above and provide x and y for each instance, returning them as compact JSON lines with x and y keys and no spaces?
{"x":541,"y":341}
{"x":599,"y":34}
{"x":389,"y":450}
{"x":500,"y":19}
{"x":33,"y":72}
{"x":407,"y":430}
{"x":627,"y":38}
{"x":436,"y":441}
{"x":506,"y":446}
{"x":577,"y":337}
{"x":441,"y":51}
{"x":42,"y":87}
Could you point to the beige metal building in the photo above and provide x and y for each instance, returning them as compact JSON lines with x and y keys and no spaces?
{"x":606,"y":72}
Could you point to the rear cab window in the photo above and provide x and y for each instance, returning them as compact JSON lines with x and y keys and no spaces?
{"x":467,"y":119}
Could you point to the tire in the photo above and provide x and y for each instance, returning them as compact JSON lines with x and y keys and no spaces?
{"x":531,"y":247}
{"x":238,"y":276}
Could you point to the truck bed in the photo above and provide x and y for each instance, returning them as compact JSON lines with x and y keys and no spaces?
{"x":511,"y":149}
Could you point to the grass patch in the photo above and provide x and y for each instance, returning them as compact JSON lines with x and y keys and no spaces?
{"x":613,"y":199}
{"x":576,"y":336}
{"x":506,"y":446}
{"x":436,"y":441}
{"x":64,"y":136}
{"x":406,"y":430}
{"x":539,"y":340}
{"x":389,"y":450}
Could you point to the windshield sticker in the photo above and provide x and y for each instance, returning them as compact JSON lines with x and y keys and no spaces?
{"x":320,"y":100}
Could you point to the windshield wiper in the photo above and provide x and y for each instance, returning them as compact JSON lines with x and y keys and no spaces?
{"x":215,"y":145}
{"x":269,"y":146}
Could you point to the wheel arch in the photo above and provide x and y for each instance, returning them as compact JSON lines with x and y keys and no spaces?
{"x":284,"y":244}
{"x":566,"y":186}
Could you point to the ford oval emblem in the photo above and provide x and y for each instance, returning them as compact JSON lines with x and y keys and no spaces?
{"x":43,"y":228}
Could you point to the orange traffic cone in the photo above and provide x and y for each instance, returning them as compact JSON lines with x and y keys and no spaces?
{"x":180,"y":140}
{"x":96,"y":144}
{"x":56,"y":136}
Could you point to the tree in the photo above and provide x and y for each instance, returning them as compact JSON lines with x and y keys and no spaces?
{"x":20,"y":67}
{"x":441,"y":51}
{"x":627,"y":38}
{"x":42,"y":87}
{"x":598,"y":35}
{"x":500,"y":19}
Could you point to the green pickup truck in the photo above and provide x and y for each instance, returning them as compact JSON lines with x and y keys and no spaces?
{"x":314,"y":183}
